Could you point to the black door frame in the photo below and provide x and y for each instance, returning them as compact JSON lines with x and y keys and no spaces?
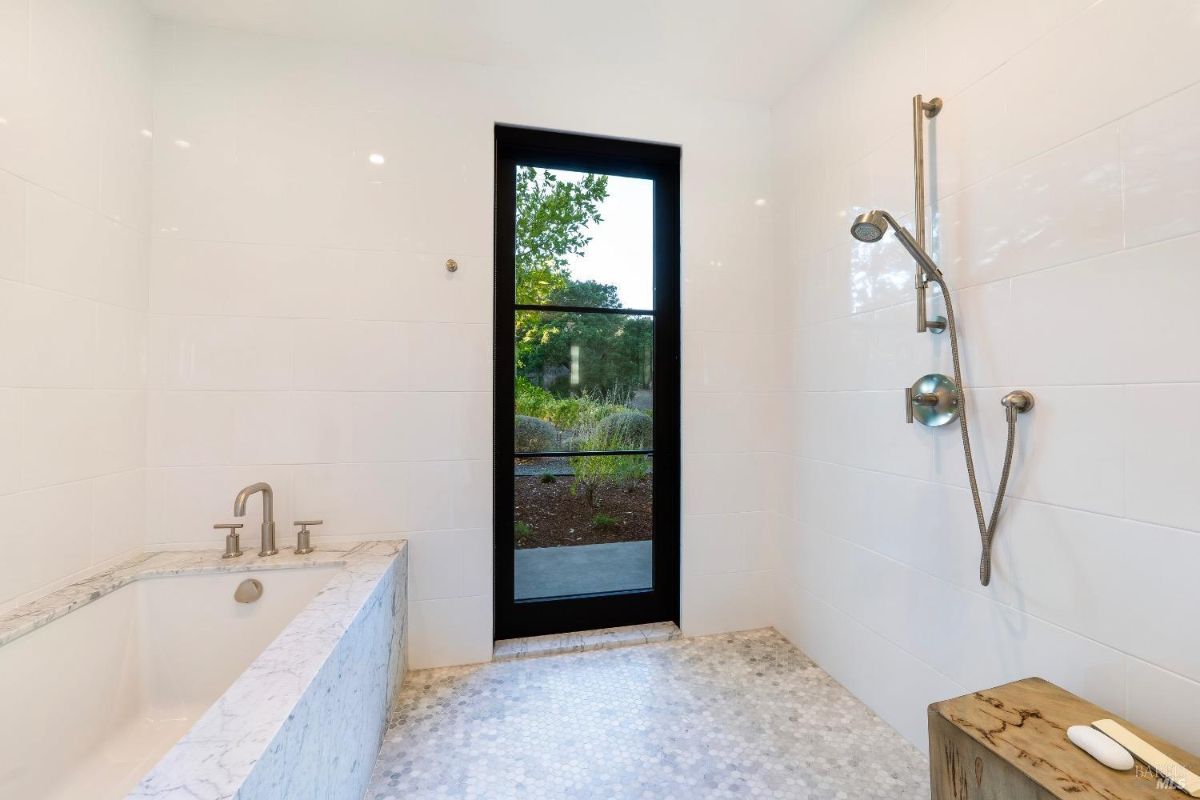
{"x":580,"y":153}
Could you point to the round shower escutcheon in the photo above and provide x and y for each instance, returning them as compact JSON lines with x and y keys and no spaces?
{"x":934,"y":400}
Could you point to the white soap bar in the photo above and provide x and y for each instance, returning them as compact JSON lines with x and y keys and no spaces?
{"x":1100,"y":747}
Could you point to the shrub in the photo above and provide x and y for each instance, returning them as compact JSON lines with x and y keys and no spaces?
{"x":604,"y":522}
{"x":548,"y":478}
{"x":594,"y":472}
{"x":531,"y":434}
{"x":531,"y":400}
{"x":579,"y":413}
{"x":521,"y":530}
{"x":627,"y":430}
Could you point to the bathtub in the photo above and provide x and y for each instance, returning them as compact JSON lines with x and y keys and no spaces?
{"x":151,"y":681}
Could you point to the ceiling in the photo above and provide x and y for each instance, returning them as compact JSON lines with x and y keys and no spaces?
{"x":748,"y":50}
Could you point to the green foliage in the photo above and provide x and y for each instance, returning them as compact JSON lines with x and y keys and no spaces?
{"x":604,"y":522}
{"x":565,"y":413}
{"x":628,"y":430}
{"x":531,"y":434}
{"x":611,"y":354}
{"x":548,"y":477}
{"x":594,"y":472}
{"x":552,"y":220}
{"x":521,"y":530}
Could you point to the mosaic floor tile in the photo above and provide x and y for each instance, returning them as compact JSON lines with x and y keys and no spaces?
{"x":729,"y":716}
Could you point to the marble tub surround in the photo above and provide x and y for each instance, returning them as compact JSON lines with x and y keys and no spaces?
{"x":602,"y":639}
{"x":28,"y":617}
{"x":306,"y":718}
{"x":732,"y":715}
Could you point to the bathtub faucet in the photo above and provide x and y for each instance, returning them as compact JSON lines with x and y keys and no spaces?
{"x":268,"y":523}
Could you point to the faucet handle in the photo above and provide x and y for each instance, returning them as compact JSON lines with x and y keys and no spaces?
{"x":233,"y":547}
{"x":303,"y":537}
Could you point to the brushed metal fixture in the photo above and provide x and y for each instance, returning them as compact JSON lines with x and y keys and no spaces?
{"x":233,"y":546}
{"x":1016,"y":402}
{"x":451,"y":265}
{"x":870,"y":227}
{"x":922,"y":110}
{"x":931,"y":401}
{"x":303,"y":537}
{"x":248,"y":591}
{"x":267,"y":546}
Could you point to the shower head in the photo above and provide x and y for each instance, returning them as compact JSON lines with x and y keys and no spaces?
{"x":871,"y":226}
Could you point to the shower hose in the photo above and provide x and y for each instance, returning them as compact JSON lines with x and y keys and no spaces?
{"x":987,"y":528}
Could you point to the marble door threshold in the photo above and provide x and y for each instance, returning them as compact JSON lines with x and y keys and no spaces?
{"x":579,"y":641}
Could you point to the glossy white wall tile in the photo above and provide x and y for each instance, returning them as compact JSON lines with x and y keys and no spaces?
{"x":74,"y":199}
{"x":303,"y":325}
{"x":1162,"y":168}
{"x":1061,"y":193}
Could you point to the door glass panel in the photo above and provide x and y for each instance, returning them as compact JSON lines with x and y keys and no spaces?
{"x":583,"y":381}
{"x":583,"y":385}
{"x":582,"y":525}
{"x":584,"y":240}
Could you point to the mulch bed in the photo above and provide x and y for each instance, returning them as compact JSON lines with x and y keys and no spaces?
{"x":560,"y":519}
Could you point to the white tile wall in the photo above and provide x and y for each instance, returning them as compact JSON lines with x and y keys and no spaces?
{"x":304,"y":331}
{"x":300,"y":328}
{"x":74,"y":200}
{"x":1063,"y":193}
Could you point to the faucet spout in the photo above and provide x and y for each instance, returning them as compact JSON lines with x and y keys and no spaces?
{"x":267,"y":547}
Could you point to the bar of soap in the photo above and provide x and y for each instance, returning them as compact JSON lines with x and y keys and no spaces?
{"x":1100,"y":747}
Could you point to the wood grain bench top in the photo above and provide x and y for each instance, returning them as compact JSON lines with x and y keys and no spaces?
{"x":1025,"y":723}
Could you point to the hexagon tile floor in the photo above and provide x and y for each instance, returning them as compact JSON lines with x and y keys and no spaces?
{"x":735,"y":715}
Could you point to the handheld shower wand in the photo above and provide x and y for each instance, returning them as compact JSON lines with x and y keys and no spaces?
{"x":870,"y":227}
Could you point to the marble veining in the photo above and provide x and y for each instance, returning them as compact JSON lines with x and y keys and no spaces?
{"x":306,"y":718}
{"x":601,"y":639}
{"x":23,"y":619}
{"x":728,"y":716}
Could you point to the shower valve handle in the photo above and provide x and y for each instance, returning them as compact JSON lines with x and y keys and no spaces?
{"x":917,"y":399}
{"x":931,"y":401}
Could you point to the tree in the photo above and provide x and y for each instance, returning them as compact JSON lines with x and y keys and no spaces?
{"x":552,"y":221}
{"x":551,"y":224}
{"x":612,"y":350}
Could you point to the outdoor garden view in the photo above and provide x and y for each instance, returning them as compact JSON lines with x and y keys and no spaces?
{"x":584,"y":379}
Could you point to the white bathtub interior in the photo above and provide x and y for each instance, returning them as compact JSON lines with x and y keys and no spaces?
{"x":106,"y":690}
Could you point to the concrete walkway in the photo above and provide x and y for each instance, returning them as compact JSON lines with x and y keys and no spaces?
{"x":584,"y":569}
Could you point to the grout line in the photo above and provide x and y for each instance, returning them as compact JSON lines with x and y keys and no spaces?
{"x":991,"y":492}
{"x":157,"y":235}
{"x":999,"y":387}
{"x":847,"y":615}
{"x":958,"y":290}
{"x":955,"y":586}
{"x":1111,"y":121}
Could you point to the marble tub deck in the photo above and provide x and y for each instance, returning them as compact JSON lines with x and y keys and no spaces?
{"x":734,"y":715}
{"x":342,"y":654}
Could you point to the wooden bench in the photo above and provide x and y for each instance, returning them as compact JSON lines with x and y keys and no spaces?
{"x":1010,"y":743}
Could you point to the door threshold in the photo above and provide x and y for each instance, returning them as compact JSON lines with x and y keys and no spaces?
{"x":579,"y":641}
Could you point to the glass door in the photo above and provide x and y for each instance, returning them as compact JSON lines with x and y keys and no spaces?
{"x":587,"y":382}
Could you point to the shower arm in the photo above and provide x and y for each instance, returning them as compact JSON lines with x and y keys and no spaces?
{"x":921,"y":111}
{"x":870,"y":227}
